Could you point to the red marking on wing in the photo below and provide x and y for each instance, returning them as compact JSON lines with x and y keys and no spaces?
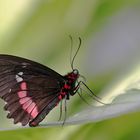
{"x":34,"y":112}
{"x":30,"y":108}
{"x":23,"y":86}
{"x":27,"y":103}
{"x":24,"y":100}
{"x":22,"y":94}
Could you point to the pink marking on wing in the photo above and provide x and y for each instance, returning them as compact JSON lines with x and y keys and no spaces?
{"x":22,"y":94}
{"x":23,"y":100}
{"x":34,"y":113}
{"x":31,"y":107}
{"x":27,"y":104}
{"x":23,"y":86}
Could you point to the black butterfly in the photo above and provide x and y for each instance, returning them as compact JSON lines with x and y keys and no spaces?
{"x":32,"y":90}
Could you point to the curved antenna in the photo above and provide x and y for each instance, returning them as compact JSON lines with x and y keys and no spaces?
{"x":72,"y":61}
{"x":71,"y":49}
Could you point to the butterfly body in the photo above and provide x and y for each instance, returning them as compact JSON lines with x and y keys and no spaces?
{"x":32,"y":90}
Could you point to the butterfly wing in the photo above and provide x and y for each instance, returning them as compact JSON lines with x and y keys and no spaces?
{"x":29,"y":89}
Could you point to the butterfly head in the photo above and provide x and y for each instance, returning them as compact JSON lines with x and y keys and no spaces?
{"x":73,"y":76}
{"x":75,"y":72}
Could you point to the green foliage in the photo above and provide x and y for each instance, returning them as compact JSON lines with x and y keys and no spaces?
{"x":40,"y":32}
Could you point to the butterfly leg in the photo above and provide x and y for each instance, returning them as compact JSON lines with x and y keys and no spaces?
{"x":67,"y":96}
{"x":91,"y":94}
{"x":60,"y":110}
{"x":65,"y":105}
{"x":75,"y":89}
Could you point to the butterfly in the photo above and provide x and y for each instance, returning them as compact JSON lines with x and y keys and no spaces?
{"x":31,"y":90}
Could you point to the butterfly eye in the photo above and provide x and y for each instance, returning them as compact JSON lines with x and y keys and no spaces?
{"x":75,"y":71}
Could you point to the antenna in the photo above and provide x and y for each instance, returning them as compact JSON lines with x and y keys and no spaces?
{"x":71,"y":49}
{"x":72,"y":59}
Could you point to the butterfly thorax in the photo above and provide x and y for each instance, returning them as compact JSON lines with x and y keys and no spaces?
{"x":69,"y":88}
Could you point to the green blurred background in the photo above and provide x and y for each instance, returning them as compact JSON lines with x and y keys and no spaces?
{"x":39,"y":30}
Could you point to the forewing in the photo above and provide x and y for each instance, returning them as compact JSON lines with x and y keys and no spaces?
{"x":28,"y":88}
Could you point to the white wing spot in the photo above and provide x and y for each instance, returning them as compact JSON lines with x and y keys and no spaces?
{"x":20,"y":73}
{"x":18,"y":78}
